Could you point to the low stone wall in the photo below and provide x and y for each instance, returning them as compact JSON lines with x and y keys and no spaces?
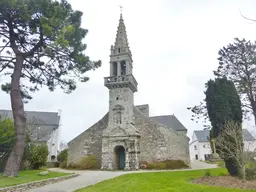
{"x":35,"y":184}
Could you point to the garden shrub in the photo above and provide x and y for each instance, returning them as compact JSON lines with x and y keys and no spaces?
{"x":52,"y":164}
{"x":250,"y":173}
{"x":63,"y":164}
{"x":221,"y":164}
{"x":63,"y":155}
{"x":71,"y":166}
{"x":87,"y":162}
{"x":207,"y":173}
{"x":167,"y":164}
{"x":38,"y":155}
{"x":223,"y":174}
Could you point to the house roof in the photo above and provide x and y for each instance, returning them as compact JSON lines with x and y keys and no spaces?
{"x":247,"y":135}
{"x":204,"y":135}
{"x":39,"y":124}
{"x":170,"y":121}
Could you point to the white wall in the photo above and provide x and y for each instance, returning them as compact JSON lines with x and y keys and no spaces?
{"x":199,"y":149}
{"x":250,"y":146}
{"x":53,"y":145}
{"x":192,"y":150}
{"x":204,"y":149}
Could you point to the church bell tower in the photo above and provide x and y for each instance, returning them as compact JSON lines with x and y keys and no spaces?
{"x":121,"y":138}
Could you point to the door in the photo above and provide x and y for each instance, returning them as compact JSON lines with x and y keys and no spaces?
{"x":121,"y":158}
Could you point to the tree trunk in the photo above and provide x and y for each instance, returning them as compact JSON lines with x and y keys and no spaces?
{"x":13,"y":163}
{"x":242,"y":172}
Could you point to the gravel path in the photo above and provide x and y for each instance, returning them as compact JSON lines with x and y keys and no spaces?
{"x":87,"y":178}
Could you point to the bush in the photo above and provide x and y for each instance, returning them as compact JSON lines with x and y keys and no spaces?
{"x":63,"y":155}
{"x":223,"y":174}
{"x":250,"y":173}
{"x":37,"y":155}
{"x":207,"y":173}
{"x":87,"y":162}
{"x":63,"y":164}
{"x":167,"y":164}
{"x":71,"y":166}
{"x":52,"y":164}
{"x":221,"y":164}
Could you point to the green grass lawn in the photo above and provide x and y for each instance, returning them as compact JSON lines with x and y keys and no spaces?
{"x":176,"y":181}
{"x":27,"y":176}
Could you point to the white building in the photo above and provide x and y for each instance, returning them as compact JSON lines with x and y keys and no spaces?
{"x":200,"y":148}
{"x":42,"y":127}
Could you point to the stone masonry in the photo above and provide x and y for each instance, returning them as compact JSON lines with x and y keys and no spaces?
{"x":126,"y":135}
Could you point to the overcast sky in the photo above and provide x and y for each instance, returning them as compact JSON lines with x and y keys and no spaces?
{"x":174,"y":45}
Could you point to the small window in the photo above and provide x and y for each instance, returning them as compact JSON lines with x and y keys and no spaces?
{"x":119,"y":117}
{"x":119,"y":50}
{"x":195,"y":147}
{"x":117,"y":98}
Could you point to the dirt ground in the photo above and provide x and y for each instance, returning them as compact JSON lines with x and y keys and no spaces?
{"x":227,"y":181}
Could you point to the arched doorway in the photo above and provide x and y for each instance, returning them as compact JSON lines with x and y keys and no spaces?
{"x":119,"y":157}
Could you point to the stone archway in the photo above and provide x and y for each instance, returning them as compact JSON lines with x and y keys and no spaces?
{"x":119,"y":157}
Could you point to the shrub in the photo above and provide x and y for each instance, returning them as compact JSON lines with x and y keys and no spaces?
{"x":63,"y":164}
{"x":63,"y":155}
{"x":221,"y":164}
{"x":71,"y":166}
{"x":223,"y":174}
{"x":87,"y":162}
{"x":175,"y":164}
{"x":37,"y":155}
{"x":167,"y":164}
{"x":251,"y":164}
{"x":207,"y":173}
{"x":250,"y":173}
{"x":52,"y":164}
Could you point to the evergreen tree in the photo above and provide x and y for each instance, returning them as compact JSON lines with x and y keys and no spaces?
{"x":223,"y":104}
{"x":41,"y":45}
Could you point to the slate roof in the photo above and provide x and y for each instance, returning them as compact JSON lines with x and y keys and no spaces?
{"x":247,"y":135}
{"x":170,"y":121}
{"x":40,"y":124}
{"x":204,"y":135}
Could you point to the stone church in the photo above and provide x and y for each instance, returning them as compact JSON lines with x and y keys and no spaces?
{"x":126,"y":135}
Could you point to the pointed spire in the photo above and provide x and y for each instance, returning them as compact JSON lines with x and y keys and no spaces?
{"x":121,"y":42}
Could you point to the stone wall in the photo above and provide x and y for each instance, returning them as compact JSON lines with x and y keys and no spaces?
{"x":35,"y":184}
{"x":158,"y":143}
{"x":88,"y":143}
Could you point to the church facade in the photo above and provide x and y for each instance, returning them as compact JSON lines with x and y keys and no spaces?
{"x":126,"y":135}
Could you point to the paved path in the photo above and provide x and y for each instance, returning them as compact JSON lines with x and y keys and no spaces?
{"x":87,"y":178}
{"x":202,"y":165}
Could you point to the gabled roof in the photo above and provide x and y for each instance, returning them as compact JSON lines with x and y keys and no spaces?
{"x":170,"y":121}
{"x":247,"y":135}
{"x":204,"y":135}
{"x":40,"y":124}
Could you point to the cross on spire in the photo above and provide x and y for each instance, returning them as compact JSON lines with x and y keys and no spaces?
{"x":121,"y":9}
